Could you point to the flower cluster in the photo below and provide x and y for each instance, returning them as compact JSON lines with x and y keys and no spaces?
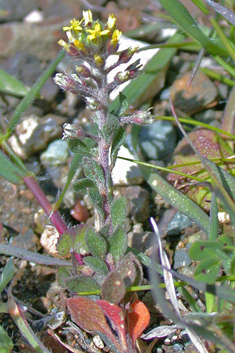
{"x":88,"y":36}
{"x":94,"y":42}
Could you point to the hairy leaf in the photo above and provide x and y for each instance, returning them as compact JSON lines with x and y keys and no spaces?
{"x":96,"y":244}
{"x":119,"y":212}
{"x":118,"y":244}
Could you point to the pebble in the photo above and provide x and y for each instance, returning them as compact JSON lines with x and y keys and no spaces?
{"x":181,"y":258}
{"x":56,"y":154}
{"x":33,"y":135}
{"x":49,"y":240}
{"x":157,"y":140}
{"x":178,"y":223}
{"x":138,"y":199}
{"x":201,"y":93}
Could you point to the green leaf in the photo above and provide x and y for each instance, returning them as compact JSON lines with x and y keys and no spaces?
{"x":10,"y":85}
{"x":118,"y":244}
{"x":77,"y":146}
{"x":6,"y":343}
{"x":61,"y":275}
{"x":113,"y":288}
{"x":110,"y":128}
{"x":7,"y":274}
{"x":73,"y":240}
{"x":96,"y":200}
{"x":123,"y":105}
{"x":94,"y":172}
{"x":96,"y":244}
{"x":118,"y":141}
{"x":96,"y":264}
{"x":207,"y":271}
{"x":10,"y":171}
{"x":201,"y":250}
{"x":82,"y":185}
{"x":81,"y":283}
{"x":118,"y":212}
{"x":173,"y":196}
{"x":183,"y":18}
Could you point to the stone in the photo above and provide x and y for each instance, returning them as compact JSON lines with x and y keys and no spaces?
{"x":178,"y":223}
{"x":157,"y":140}
{"x":201,"y":93}
{"x":56,"y":154}
{"x":139,"y":199}
{"x":33,"y":135}
{"x":181,"y":258}
{"x":125,"y":172}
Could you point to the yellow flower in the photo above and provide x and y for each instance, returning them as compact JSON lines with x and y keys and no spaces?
{"x":87,"y":15}
{"x":79,"y":45}
{"x":75,"y":26}
{"x":111,"y":21}
{"x":115,"y":37}
{"x":96,"y":32}
{"x":98,"y":60}
{"x":63,"y":44}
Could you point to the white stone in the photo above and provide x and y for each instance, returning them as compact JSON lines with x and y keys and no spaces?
{"x":125,"y":172}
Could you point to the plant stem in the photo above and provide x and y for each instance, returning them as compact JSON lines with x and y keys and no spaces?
{"x":54,"y":215}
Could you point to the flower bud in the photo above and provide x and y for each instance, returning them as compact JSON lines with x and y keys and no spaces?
{"x":126,"y":55}
{"x":142,"y":117}
{"x":72,"y":131}
{"x":83,"y":71}
{"x":92,"y":104}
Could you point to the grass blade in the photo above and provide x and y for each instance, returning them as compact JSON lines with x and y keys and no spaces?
{"x":173,"y":196}
{"x":183,"y":18}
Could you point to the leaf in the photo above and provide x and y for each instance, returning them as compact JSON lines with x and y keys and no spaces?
{"x":10,"y":85}
{"x":207,"y":270}
{"x":96,"y":244}
{"x":201,"y":250}
{"x":174,"y":197}
{"x":160,"y":332}
{"x":24,"y":327}
{"x":117,"y":321}
{"x":6,"y":343}
{"x":118,"y":244}
{"x":127,"y":269}
{"x":81,"y":283}
{"x":118,"y":212}
{"x":110,"y":128}
{"x":118,"y":141}
{"x":88,"y":315}
{"x":7,"y":274}
{"x":123,"y":105}
{"x":138,"y":319}
{"x":61,"y":275}
{"x":10,"y":171}
{"x":77,"y":146}
{"x":94,"y":172}
{"x":96,"y":200}
{"x":71,"y":241}
{"x":113,"y":288}
{"x":96,"y":264}
{"x":183,"y":18}
{"x":223,"y":11}
{"x":82,"y":185}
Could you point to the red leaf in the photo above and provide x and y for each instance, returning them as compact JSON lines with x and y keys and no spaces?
{"x":88,"y":315}
{"x":138,"y":319}
{"x":117,"y":320}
